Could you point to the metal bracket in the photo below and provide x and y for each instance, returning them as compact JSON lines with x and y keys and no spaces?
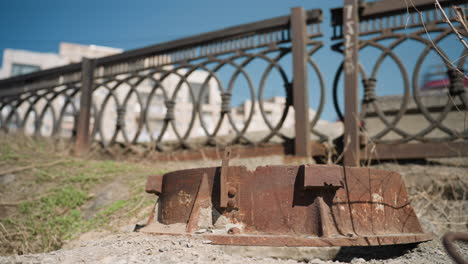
{"x":154,"y":184}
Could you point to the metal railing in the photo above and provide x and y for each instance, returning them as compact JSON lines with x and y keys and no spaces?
{"x":435,"y":119}
{"x":165,"y":95}
{"x":212,"y":89}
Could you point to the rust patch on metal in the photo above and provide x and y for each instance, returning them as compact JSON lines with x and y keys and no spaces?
{"x":184,"y":198}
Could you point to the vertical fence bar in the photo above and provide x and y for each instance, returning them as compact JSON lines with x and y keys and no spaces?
{"x":300,"y":93}
{"x":351,"y":69}
{"x":82,"y":142}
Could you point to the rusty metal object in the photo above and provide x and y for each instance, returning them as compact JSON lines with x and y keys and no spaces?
{"x":448,"y":240}
{"x":307,"y":205}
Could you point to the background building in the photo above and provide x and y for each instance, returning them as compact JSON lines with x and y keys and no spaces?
{"x":17,"y":62}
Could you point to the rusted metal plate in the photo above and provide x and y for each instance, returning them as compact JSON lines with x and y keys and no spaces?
{"x":313,"y":205}
{"x":180,"y":189}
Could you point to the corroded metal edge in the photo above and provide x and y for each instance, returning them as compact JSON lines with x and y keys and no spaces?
{"x":296,"y":241}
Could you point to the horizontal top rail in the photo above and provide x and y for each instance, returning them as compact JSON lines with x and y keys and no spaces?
{"x":48,"y":73}
{"x":371,"y":12}
{"x":313,"y":16}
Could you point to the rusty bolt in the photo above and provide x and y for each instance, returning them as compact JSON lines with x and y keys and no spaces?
{"x":234,"y":231}
{"x":232,"y":192}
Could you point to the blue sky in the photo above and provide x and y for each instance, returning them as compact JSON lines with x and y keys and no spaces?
{"x":40,"y":25}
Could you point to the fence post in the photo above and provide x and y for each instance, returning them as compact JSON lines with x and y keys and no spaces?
{"x":82,"y":141}
{"x":299,"y":88}
{"x":351,"y":70}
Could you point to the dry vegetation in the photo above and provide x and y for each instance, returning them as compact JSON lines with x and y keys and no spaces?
{"x":48,"y":197}
{"x":438,"y":192}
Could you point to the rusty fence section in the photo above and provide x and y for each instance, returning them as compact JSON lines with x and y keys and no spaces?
{"x":423,"y":118}
{"x":215,"y":89}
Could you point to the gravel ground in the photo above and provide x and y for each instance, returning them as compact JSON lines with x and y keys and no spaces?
{"x":143,"y":248}
{"x":130,"y":247}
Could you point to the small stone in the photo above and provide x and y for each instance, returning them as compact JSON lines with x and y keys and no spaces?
{"x":358,"y":260}
{"x":7,"y":178}
{"x":206,"y":241}
{"x":189,"y":245}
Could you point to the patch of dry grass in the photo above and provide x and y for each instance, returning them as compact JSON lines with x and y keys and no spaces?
{"x":442,"y":205}
{"x":47,"y":202}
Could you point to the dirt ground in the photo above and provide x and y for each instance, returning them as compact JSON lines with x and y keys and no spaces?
{"x":142,"y":248}
{"x":438,"y":191}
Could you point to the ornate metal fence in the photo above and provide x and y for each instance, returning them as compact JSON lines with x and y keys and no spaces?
{"x":249,"y":85}
{"x":27,"y":102}
{"x":405,"y":116}
{"x":204,"y":90}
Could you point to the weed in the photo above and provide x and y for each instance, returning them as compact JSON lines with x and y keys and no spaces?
{"x":46,"y":222}
{"x":83,"y":178}
{"x":8,"y":154}
{"x":43,"y":176}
